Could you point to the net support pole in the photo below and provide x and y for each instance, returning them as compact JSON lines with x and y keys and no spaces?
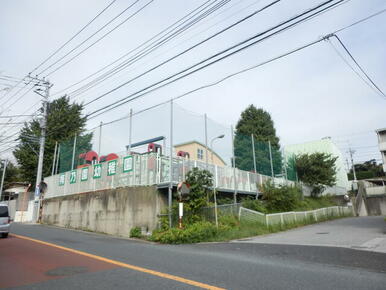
{"x":54,"y":159}
{"x":130,"y":130}
{"x":254,"y":153}
{"x":100,"y":140}
{"x":73,"y":154}
{"x":57,"y":160}
{"x":285,"y":165}
{"x":170,"y":191}
{"x":206,"y":141}
{"x":271,"y":161}
{"x":234,"y":165}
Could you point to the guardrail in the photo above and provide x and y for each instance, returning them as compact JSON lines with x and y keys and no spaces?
{"x":149,"y":169}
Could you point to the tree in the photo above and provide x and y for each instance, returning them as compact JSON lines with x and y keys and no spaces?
{"x":64,"y":121}
{"x":316,"y":170}
{"x":12,"y":174}
{"x":367,"y":169}
{"x":200,"y":182}
{"x":259,"y":123}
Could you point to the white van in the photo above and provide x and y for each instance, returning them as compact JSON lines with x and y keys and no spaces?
{"x":5,"y":220}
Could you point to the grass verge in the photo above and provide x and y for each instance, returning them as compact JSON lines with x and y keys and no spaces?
{"x":230,"y":228}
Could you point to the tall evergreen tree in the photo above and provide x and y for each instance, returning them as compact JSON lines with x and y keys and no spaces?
{"x":259,"y":123}
{"x":12,"y":174}
{"x":64,"y":121}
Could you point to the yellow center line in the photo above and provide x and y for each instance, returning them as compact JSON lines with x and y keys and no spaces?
{"x":124,"y":265}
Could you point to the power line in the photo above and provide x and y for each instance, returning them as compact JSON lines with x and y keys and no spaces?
{"x":361,"y":20}
{"x":123,"y":56}
{"x":188,"y":71}
{"x":95,"y":42}
{"x":358,"y":65}
{"x":149,"y":48}
{"x":221,"y":80}
{"x":352,"y":68}
{"x":243,"y":71}
{"x":75,"y":35}
{"x":15,"y":116}
{"x":189,"y":49}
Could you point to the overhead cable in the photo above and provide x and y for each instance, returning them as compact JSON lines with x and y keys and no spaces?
{"x":234,"y":49}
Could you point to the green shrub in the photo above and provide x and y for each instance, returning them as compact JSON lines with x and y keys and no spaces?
{"x":254,"y":204}
{"x":194,"y":233}
{"x":224,"y":200}
{"x":282,"y":198}
{"x":311,"y":203}
{"x":135,"y":232}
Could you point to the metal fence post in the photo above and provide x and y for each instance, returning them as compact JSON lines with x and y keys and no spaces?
{"x":234,"y":165}
{"x":73,"y":154}
{"x":170,"y":166}
{"x":206,"y":142}
{"x":57,"y":160}
{"x":100,"y":140}
{"x":54,"y":159}
{"x":271,"y":161}
{"x":254,"y":154}
{"x":130,"y":129}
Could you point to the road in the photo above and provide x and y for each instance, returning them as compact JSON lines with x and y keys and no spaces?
{"x":67,"y":259}
{"x":365,"y":233}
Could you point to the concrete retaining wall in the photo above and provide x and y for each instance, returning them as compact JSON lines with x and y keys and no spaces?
{"x":376,"y":205}
{"x":113,"y":211}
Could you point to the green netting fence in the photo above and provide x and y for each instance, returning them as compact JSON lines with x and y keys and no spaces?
{"x":252,"y":154}
{"x":69,"y":151}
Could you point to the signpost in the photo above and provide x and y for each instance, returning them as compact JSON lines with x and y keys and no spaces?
{"x":183,"y":190}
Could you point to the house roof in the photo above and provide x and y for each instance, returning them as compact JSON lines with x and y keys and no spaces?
{"x":203,"y":145}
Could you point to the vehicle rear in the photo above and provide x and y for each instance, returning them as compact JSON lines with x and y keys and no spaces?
{"x":5,"y":220}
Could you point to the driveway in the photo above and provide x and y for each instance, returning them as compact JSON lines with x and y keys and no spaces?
{"x":363,"y":233}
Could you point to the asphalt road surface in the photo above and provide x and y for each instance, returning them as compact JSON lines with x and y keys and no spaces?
{"x":42,"y":257}
{"x":365,"y":233}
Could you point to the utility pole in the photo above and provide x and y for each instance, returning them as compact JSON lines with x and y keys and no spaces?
{"x":351,"y":151}
{"x":42,"y":142}
{"x":2,"y":178}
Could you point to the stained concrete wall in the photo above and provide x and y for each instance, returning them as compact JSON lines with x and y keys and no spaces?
{"x":113,"y":211}
{"x":376,"y":205}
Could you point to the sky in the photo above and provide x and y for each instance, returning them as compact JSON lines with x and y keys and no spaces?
{"x":310,"y":95}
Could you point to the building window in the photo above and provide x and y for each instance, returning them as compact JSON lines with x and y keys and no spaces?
{"x":200,"y":154}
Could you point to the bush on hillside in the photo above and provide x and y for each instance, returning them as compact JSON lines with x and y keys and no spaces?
{"x":254,"y":204}
{"x":282,"y":198}
{"x":194,"y":233}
